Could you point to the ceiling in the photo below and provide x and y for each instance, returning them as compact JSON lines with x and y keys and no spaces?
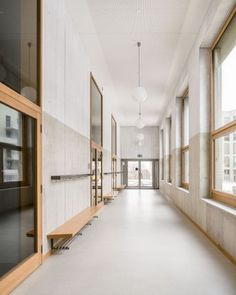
{"x":167,"y":30}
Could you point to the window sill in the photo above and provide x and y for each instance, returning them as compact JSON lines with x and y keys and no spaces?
{"x":183,"y":189}
{"x":170,"y":183}
{"x":223,"y":207}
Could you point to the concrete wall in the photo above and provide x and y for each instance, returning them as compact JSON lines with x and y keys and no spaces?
{"x":217,"y":220}
{"x":130,"y":148}
{"x":66,"y":117}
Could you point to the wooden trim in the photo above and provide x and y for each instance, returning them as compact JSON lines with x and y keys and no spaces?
{"x":185,"y":148}
{"x":18,"y":102}
{"x":92,"y":79}
{"x":223,"y":197}
{"x":113,"y":120}
{"x":96,"y":146}
{"x":224,"y":130}
{"x":11,"y":280}
{"x":224,"y":27}
{"x":185,"y":185}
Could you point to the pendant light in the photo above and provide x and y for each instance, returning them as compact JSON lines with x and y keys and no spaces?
{"x":28,"y":91}
{"x":140,"y":137}
{"x":140,"y":122}
{"x":139,"y":93}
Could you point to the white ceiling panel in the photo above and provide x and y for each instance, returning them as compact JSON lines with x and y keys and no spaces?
{"x":167,"y":30}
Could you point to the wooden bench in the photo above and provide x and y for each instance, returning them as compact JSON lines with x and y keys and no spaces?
{"x":30,"y":234}
{"x":72,"y":227}
{"x":120,"y":187}
{"x":108,"y":197}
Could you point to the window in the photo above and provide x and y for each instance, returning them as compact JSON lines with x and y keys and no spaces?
{"x":113,"y":137}
{"x":185,"y":141}
{"x":96,"y":113}
{"x":227,"y":161}
{"x":17,"y":187}
{"x":234,"y":148}
{"x":162,"y":155}
{"x":19,"y":53}
{"x":224,"y":115}
{"x":169,"y":150}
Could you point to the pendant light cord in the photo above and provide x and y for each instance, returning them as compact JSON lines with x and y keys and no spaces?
{"x":139,"y":74}
{"x":29,"y":56}
{"x":139,"y":64}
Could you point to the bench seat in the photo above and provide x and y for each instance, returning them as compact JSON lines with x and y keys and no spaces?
{"x":70,"y":228}
{"x":120,"y":187}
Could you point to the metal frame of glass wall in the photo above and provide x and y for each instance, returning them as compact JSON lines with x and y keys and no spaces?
{"x":155,"y":173}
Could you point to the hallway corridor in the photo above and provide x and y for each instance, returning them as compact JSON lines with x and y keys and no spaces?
{"x":140,"y":245}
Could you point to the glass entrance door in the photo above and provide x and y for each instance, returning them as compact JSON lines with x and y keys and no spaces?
{"x":146,"y":174}
{"x":139,"y":173}
{"x":133,"y":174}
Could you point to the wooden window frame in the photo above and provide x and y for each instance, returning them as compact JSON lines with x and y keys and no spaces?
{"x":15,"y":100}
{"x":113,"y":121}
{"x":228,"y":199}
{"x":162,"y":156}
{"x":14,"y":277}
{"x":184,"y":148}
{"x":38,"y":59}
{"x":93,"y":143}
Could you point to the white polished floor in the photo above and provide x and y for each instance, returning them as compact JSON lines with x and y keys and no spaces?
{"x":140,"y":245}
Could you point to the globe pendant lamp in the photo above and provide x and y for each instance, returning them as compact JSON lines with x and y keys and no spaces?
{"x":139,"y":93}
{"x":140,"y":122}
{"x":140,"y":137}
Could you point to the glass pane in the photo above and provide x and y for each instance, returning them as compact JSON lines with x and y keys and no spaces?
{"x":133,"y":173}
{"x":225,"y":164}
{"x":224,"y":76}
{"x":94,"y":188}
{"x":185,"y":122}
{"x":17,"y":188}
{"x":12,"y":165}
{"x":114,"y":176}
{"x":162,"y":155}
{"x":113,"y":137}
{"x":96,"y":101}
{"x":99,"y":175}
{"x":18,"y":46}
{"x":185,"y":167}
{"x":146,"y":174}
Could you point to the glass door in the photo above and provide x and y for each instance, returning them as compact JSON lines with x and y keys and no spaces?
{"x":146,"y":174}
{"x":114,"y":173}
{"x":20,"y":192}
{"x":133,"y":174}
{"x":97,"y":177}
{"x":139,"y":173}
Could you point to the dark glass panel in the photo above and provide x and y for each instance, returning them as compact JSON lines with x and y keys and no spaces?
{"x":96,"y":115}
{"x":17,"y":188}
{"x":18,"y":46}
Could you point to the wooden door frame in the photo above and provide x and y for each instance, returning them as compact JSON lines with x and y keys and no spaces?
{"x":13,"y":278}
